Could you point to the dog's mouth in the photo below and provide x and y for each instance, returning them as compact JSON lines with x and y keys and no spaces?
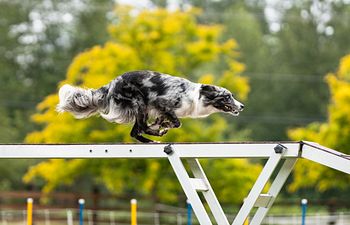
{"x":232,"y":109}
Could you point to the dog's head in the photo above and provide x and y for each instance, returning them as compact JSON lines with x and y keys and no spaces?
{"x":221,"y":99}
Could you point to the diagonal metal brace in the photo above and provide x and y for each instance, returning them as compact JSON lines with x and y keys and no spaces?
{"x":187,"y":186}
{"x":260,"y":183}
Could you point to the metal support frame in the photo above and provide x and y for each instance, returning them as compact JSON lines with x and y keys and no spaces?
{"x":189,"y":189}
{"x":256,"y":190}
{"x":209,"y":194}
{"x":274,"y":190}
{"x":274,"y":152}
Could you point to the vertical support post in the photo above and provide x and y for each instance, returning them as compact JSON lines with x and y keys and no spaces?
{"x":69,"y":217}
{"x":189,"y":213}
{"x":156,"y":218}
{"x":47,"y":217}
{"x":303,"y":210}
{"x":178,"y":219}
{"x":90,"y":215}
{"x":111,"y":218}
{"x":258,"y":187}
{"x":133,"y":211}
{"x":24,"y":217}
{"x":3,"y":218}
{"x":81,"y":211}
{"x":29,"y":211}
{"x":186,"y":185}
{"x":275,"y":188}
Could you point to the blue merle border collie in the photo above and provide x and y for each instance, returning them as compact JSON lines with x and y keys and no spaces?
{"x":153,"y":101}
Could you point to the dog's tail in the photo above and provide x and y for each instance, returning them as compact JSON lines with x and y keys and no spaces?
{"x":82,"y":103}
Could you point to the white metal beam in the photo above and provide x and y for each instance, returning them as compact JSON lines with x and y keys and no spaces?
{"x":325,"y":156}
{"x":197,"y":150}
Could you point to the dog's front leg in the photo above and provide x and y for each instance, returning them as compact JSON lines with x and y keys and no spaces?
{"x":157,"y":125}
{"x":155,"y":128}
{"x":136,"y":133}
{"x":172,"y":121}
{"x":141,"y":127}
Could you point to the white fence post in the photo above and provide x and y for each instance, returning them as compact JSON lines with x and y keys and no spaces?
{"x":179,"y":219}
{"x":3,"y":218}
{"x":90,"y":220}
{"x":47,"y":217}
{"x":111,"y":218}
{"x":341,"y":218}
{"x":69,"y":217}
{"x":24,"y":213}
{"x":156,"y":218}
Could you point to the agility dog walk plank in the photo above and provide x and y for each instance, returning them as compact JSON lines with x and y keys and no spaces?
{"x":154,"y":150}
{"x":286,"y":153}
{"x":326,"y":156}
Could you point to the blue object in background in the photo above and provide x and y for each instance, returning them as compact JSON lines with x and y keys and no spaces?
{"x":81,"y":211}
{"x":303,"y":210}
{"x":189,"y":213}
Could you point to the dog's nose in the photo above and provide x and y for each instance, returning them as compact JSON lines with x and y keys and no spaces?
{"x":241,"y":107}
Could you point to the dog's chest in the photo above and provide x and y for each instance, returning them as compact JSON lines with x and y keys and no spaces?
{"x":187,"y":108}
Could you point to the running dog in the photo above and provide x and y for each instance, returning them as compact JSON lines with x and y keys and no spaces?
{"x":147,"y":96}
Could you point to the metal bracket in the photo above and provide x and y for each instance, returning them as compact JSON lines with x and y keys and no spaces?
{"x":168,"y":149}
{"x":198,"y":183}
{"x":280,"y":149}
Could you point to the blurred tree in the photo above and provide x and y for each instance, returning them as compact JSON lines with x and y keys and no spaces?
{"x":11,"y":111}
{"x":41,"y":38}
{"x":245,"y":22}
{"x":309,"y":37}
{"x":38,"y":41}
{"x":335,"y":133}
{"x":287,"y":47}
{"x":171,"y":42}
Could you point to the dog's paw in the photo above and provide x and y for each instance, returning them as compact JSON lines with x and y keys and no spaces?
{"x":162,"y":132}
{"x":168,"y":124}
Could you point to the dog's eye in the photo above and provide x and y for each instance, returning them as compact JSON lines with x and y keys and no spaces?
{"x":227,"y":97}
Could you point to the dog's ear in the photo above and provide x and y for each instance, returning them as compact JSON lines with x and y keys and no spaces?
{"x":208,"y":91}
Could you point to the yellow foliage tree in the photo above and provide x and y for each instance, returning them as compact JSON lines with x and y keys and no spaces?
{"x":170,"y":42}
{"x":335,"y":133}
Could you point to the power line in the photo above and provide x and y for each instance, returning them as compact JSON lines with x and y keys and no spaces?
{"x":286,"y":77}
{"x":278,"y":119}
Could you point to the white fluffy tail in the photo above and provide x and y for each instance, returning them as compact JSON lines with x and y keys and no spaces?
{"x":80,"y":102}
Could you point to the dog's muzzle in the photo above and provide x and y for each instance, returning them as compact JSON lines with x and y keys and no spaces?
{"x":234,"y":109}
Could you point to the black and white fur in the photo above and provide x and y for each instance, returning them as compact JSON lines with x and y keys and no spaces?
{"x":143,"y":96}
